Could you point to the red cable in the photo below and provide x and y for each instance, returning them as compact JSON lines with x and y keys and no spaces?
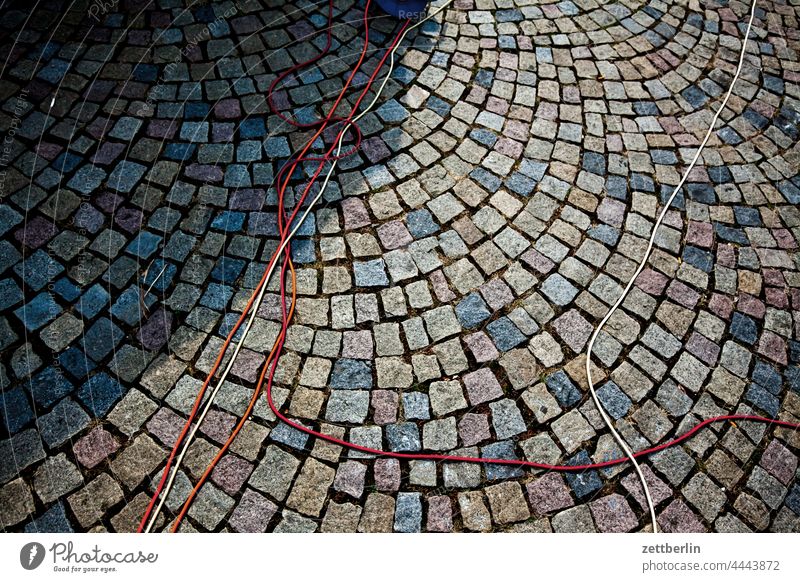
{"x":239,"y":322}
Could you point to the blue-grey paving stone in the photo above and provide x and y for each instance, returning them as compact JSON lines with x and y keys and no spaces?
{"x":93,"y":301}
{"x":594,"y":163}
{"x":756,"y":119}
{"x":216,"y":296}
{"x":747,"y":216}
{"x":583,"y":483}
{"x":54,"y":520}
{"x":719,"y":174}
{"x":416,"y":406}
{"x":128,"y":307}
{"x":277,"y":147}
{"x":617,"y":187}
{"x":562,"y":388}
{"x":698,"y":258}
{"x":54,"y":71}
{"x":729,"y":234}
{"x":484,"y":137}
{"x":489,"y":181}
{"x":408,"y":513}
{"x":38,"y":270}
{"x":39,"y":311}
{"x":743,"y":328}
{"x":289,"y":436}
{"x":790,"y":191}
{"x":520,"y":184}
{"x":484,"y":77}
{"x":642,"y":183}
{"x":614,"y":400}
{"x":729,"y":135}
{"x":9,"y":218}
{"x":66,"y":162}
{"x":794,"y":351}
{"x":420,"y":223}
{"x":303,"y":251}
{"x":792,"y":500}
{"x":438,"y":106}
{"x":228,"y":221}
{"x":66,"y":289}
{"x":558,"y":289}
{"x":703,"y":193}
{"x":18,"y":452}
{"x":7,"y":335}
{"x":392,"y":112}
{"x":101,"y":339}
{"x":604,"y":233}
{"x":533,"y":169}
{"x":125,"y":176}
{"x":87,"y":179}
{"x":664,"y":157}
{"x":645,"y":108}
{"x":760,"y":398}
{"x":15,"y":410}
{"x":351,"y":374}
{"x":49,"y":386}
{"x":100,"y":393}
{"x":237,"y":176}
{"x":767,"y":377}
{"x":144,"y":245}
{"x":227,"y":270}
{"x":505,"y":334}
{"x":370,"y":273}
{"x":76,"y":362}
{"x":793,"y":378}
{"x":62,"y":423}
{"x":500,"y":450}
{"x":180,"y":152}
{"x":472,"y":311}
{"x":403,"y":437}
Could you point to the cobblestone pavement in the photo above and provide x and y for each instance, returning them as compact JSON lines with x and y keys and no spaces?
{"x":506,"y":187}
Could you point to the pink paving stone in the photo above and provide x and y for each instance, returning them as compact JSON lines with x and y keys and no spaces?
{"x":611,"y":211}
{"x":161,"y":128}
{"x":387,"y":474}
{"x":474,"y":428}
{"x":218,"y":425}
{"x":509,"y":147}
{"x":204,"y":172}
{"x":36,"y":232}
{"x":721,"y":306}
{"x":231,"y":472}
{"x":537,"y":260}
{"x":440,"y":514}
{"x":651,"y":282}
{"x":49,"y":151}
{"x":516,"y":130}
{"x":357,"y":345}
{"x":612,"y":514}
{"x":700,"y":234}
{"x":394,"y":235}
{"x":678,"y":518}
{"x":129,"y":219}
{"x":777,"y":297}
{"x":108,"y":152}
{"x":227,"y":109}
{"x":573,"y":329}
{"x":156,"y":330}
{"x":95,"y":447}
{"x":355,"y":213}
{"x":253,"y":513}
{"x":700,"y":346}
{"x":779,"y":461}
{"x":482,"y":386}
{"x":248,"y":365}
{"x":726,"y":256}
{"x":247,"y":199}
{"x":166,"y":425}
{"x":795,"y":298}
{"x":547,"y":111}
{"x":751,"y":305}
{"x":773,"y":277}
{"x":773,"y":346}
{"x":496,"y":293}
{"x":222,"y":132}
{"x":482,"y":348}
{"x":549,"y":493}
{"x":350,"y":478}
{"x":659,"y":490}
{"x":440,"y":287}
{"x":784,"y":238}
{"x":683,"y":294}
{"x":384,"y":405}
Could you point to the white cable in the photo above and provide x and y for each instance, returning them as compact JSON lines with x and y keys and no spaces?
{"x":641,"y":266}
{"x":259,"y":298}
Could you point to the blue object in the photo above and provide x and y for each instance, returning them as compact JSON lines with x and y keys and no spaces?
{"x":404,"y":8}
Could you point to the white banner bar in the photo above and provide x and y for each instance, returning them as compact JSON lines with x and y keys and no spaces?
{"x":350,"y":557}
